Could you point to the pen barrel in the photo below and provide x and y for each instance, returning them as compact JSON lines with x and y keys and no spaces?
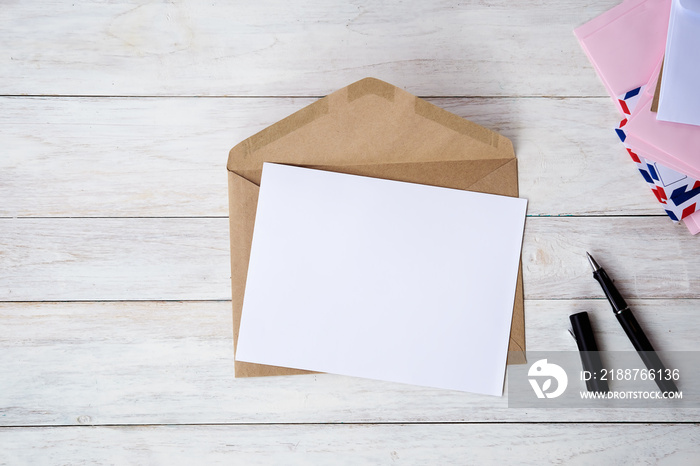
{"x":646,"y":351}
{"x":616,"y":300}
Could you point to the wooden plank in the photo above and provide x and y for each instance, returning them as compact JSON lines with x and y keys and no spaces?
{"x":647,"y":257}
{"x":284,"y":48}
{"x":125,"y":157}
{"x":96,"y":157}
{"x":570,"y":161}
{"x":188,"y":259}
{"x":114,"y":259}
{"x":172,"y":363}
{"x":355,"y":444}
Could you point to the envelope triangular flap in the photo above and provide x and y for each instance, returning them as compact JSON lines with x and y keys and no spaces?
{"x":373,"y":123}
{"x":369,"y":128}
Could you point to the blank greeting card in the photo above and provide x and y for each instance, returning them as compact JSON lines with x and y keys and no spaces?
{"x":381,"y":279}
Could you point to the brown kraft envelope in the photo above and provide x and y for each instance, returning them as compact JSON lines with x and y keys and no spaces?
{"x":368,"y":128}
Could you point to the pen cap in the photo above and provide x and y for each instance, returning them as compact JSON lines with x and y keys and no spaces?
{"x":581,"y":326}
{"x":588,"y":350}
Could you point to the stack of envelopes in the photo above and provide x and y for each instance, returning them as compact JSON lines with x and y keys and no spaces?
{"x":626,"y":45}
{"x":402,"y":151}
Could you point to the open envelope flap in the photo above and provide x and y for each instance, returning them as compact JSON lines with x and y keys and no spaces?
{"x":369,"y":128}
{"x":369,"y":122}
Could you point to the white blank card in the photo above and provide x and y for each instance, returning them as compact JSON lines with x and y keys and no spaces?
{"x":381,"y":279}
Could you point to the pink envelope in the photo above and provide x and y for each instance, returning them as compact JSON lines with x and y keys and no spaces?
{"x":693,"y":223}
{"x":672,"y":144}
{"x":625,"y":44}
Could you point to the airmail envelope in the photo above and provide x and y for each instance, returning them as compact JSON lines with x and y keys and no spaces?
{"x":374,"y":129}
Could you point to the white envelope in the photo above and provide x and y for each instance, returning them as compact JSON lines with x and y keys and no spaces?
{"x":679,"y":100}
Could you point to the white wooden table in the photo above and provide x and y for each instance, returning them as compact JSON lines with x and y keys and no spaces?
{"x":115,"y":325}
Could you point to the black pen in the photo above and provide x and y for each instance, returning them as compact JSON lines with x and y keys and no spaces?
{"x":632,"y":329}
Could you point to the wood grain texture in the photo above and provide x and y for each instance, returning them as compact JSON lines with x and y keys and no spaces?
{"x":91,"y":157}
{"x":647,"y":257}
{"x":115,"y":324}
{"x":114,"y":259}
{"x":275,"y":47}
{"x":93,"y":259}
{"x":172,"y":363}
{"x":355,"y":444}
{"x":125,"y":157}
